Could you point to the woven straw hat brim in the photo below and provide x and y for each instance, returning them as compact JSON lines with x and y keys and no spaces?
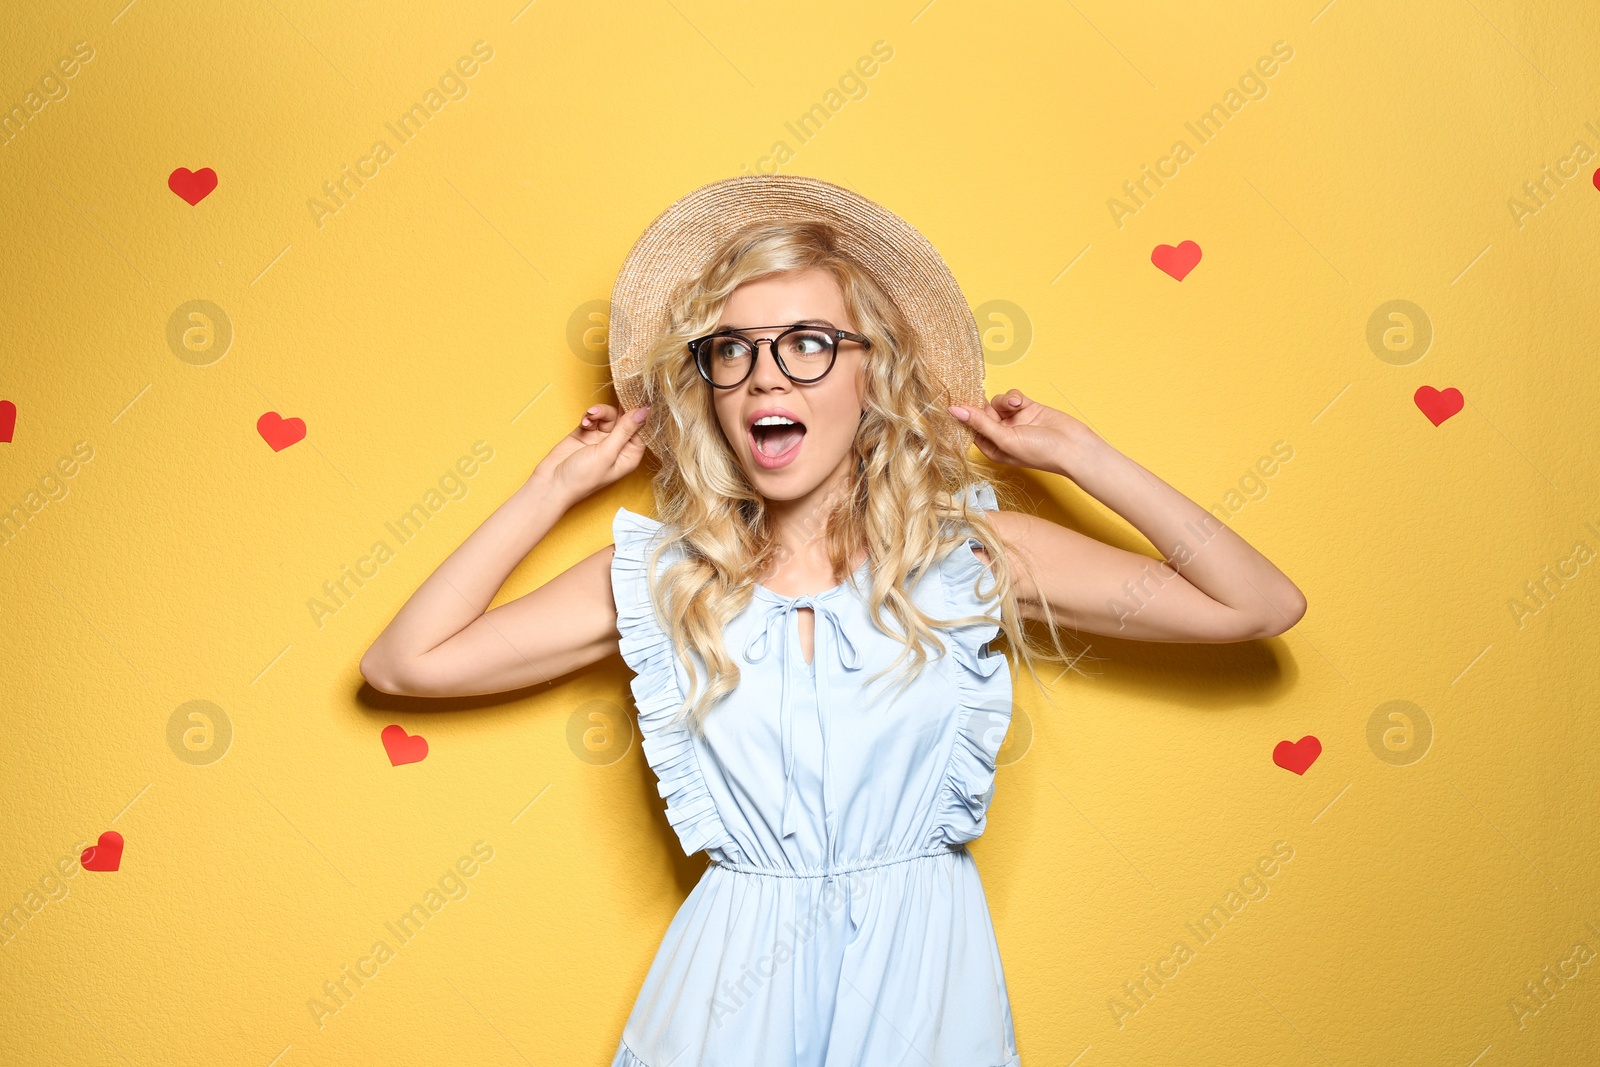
{"x":683,"y":239}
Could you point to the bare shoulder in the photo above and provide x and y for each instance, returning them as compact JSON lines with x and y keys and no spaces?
{"x":1012,"y":527}
{"x":1021,"y":534}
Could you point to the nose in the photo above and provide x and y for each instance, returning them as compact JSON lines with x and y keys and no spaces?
{"x":766,"y":373}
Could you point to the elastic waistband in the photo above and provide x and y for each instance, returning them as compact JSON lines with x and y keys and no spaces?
{"x":838,"y":869}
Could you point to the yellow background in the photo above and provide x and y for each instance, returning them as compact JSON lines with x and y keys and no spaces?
{"x":433,"y":310}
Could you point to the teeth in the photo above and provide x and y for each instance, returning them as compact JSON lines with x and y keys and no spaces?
{"x":774,"y":420}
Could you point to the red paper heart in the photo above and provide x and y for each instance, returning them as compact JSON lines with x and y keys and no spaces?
{"x":1597,"y":179}
{"x":1436,"y":405}
{"x":403,"y":747}
{"x":8,"y":421}
{"x":278,"y":431}
{"x":1298,"y":755}
{"x":193,"y":186}
{"x":1179,"y":261}
{"x":105,"y":856}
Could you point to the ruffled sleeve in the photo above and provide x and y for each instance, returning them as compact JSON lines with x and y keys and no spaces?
{"x":659,"y":685}
{"x":983,"y":688}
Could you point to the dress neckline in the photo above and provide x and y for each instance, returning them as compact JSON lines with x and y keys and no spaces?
{"x":827,"y":594}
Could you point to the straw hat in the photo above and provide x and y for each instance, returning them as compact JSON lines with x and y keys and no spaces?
{"x":683,"y":239}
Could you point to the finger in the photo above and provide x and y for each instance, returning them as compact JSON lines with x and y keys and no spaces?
{"x":1008,"y":403}
{"x":627,"y":430}
{"x":984,"y":422}
{"x":973,"y":421}
{"x":598,"y":417}
{"x":631,"y":453}
{"x":633,"y":448}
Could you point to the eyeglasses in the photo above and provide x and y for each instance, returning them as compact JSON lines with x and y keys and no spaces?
{"x":725,"y":358}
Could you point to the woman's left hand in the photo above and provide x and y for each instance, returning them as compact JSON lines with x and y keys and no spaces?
{"x":1019,"y":431}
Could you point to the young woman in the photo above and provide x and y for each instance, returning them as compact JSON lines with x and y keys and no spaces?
{"x":809,"y":621}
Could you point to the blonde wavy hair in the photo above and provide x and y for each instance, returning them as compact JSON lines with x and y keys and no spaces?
{"x":903,"y":500}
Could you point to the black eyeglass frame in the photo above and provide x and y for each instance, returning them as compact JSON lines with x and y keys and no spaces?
{"x":833,"y":332}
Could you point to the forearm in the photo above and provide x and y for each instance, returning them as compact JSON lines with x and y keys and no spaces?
{"x":460,"y":589}
{"x":1208,"y":554}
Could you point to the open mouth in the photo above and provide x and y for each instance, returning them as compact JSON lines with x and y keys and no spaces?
{"x":776,"y":439}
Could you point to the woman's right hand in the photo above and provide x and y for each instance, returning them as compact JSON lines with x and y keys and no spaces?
{"x":604,"y":448}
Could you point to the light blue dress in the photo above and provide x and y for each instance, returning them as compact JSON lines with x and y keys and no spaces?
{"x":841,"y":921}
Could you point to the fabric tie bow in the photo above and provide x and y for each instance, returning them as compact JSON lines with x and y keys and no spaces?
{"x":774,"y":628}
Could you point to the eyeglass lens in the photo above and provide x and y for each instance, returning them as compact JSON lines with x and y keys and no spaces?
{"x":806,"y":353}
